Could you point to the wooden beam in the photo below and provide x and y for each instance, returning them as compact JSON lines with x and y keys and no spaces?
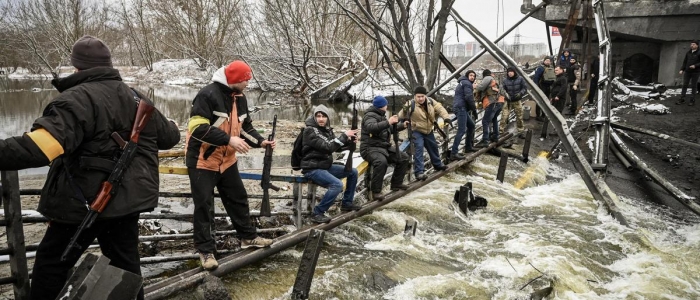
{"x":15,"y":233}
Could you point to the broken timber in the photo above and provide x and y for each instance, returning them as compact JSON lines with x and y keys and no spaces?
{"x":684,"y":199}
{"x":307,"y":266}
{"x":231,"y":263}
{"x":595,"y":183}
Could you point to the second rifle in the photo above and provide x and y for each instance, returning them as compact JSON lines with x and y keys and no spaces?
{"x":267,"y":168}
{"x":351,"y":148}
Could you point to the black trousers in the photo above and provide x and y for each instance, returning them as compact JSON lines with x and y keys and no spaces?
{"x":234,"y":197}
{"x":380,"y":162}
{"x":546,"y":87}
{"x":592,"y":90}
{"x":690,"y":78}
{"x":118,"y":239}
{"x":572,"y":96}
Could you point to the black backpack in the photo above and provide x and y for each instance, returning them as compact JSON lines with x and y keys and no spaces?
{"x":297,"y":154}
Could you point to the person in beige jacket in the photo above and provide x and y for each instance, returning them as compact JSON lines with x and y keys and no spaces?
{"x":422,"y":113}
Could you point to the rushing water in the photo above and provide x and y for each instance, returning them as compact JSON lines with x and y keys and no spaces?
{"x":553,"y":225}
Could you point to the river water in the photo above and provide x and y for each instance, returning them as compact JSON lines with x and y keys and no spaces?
{"x":548,"y":226}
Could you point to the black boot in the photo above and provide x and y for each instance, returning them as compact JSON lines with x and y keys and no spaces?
{"x":456,"y":156}
{"x":396,"y":187}
{"x":680,"y":101}
{"x":377,"y":196}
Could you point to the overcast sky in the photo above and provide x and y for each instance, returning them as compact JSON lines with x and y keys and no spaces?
{"x":483,"y":14}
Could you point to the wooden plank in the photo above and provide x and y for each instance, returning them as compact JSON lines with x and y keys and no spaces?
{"x":171,"y":153}
{"x":15,"y":233}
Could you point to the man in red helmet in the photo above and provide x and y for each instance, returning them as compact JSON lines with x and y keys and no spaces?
{"x":219,"y":127}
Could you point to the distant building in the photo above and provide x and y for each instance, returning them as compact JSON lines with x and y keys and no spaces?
{"x":470,"y":49}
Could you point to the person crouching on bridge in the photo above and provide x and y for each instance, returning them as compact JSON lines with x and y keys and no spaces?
{"x":422,"y":112}
{"x":319,"y":144}
{"x":376,"y":148}
{"x":465,"y":109}
{"x":219,"y":127}
{"x":492,"y":102}
{"x":73,"y":136}
{"x":557,"y":94}
{"x":516,"y":89}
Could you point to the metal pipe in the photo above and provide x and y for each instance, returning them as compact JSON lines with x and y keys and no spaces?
{"x":623,"y":160}
{"x":596,"y":184}
{"x":654,"y":133}
{"x":483,"y":51}
{"x":228,"y":264}
{"x":602,"y":120}
{"x":683,"y":198}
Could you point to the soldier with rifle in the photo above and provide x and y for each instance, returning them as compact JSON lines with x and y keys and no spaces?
{"x":218,"y":128}
{"x":376,"y":148}
{"x":93,"y":177}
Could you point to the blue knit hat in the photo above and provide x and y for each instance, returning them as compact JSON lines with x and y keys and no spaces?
{"x":379,"y":101}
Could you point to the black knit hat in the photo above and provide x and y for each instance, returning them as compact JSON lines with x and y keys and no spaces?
{"x":486,"y":72}
{"x":420,"y":90}
{"x":89,"y":52}
{"x":510,"y":68}
{"x":695,"y":42}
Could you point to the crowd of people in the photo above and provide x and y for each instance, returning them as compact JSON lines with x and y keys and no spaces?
{"x":75,"y":136}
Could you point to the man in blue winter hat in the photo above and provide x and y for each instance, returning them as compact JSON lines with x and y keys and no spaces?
{"x":376,"y":148}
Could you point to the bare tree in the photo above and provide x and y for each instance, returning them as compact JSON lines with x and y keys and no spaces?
{"x":140,"y":30}
{"x":45,"y":30}
{"x":392,"y":25}
{"x":201,"y":29}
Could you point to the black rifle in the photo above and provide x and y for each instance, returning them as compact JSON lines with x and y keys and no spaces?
{"x":395,"y":128}
{"x":109,"y":188}
{"x":352,"y":146}
{"x":267,"y":166}
{"x":411,"y":147}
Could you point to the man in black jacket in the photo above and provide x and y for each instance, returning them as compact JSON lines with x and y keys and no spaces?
{"x":376,"y":147}
{"x":319,"y":144}
{"x":690,"y":69}
{"x":219,"y":127}
{"x":73,"y":135}
{"x":558,"y":93}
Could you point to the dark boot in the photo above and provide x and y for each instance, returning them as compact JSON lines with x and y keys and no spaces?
{"x":680,"y":101}
{"x":377,"y":196}
{"x":318,"y":219}
{"x":456,"y":156}
{"x":440,"y":168}
{"x":692,"y":102}
{"x":396,"y":187}
{"x":482,"y":144}
{"x":352,"y":207}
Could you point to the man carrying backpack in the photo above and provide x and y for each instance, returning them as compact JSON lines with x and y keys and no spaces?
{"x":544,"y":78}
{"x":318,"y":145}
{"x":515,"y":90}
{"x":376,"y":148}
{"x":492,"y":103}
{"x":422,"y":113}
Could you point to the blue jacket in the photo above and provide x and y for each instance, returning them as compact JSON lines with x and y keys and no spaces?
{"x":513,"y":86}
{"x":464,"y":95}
